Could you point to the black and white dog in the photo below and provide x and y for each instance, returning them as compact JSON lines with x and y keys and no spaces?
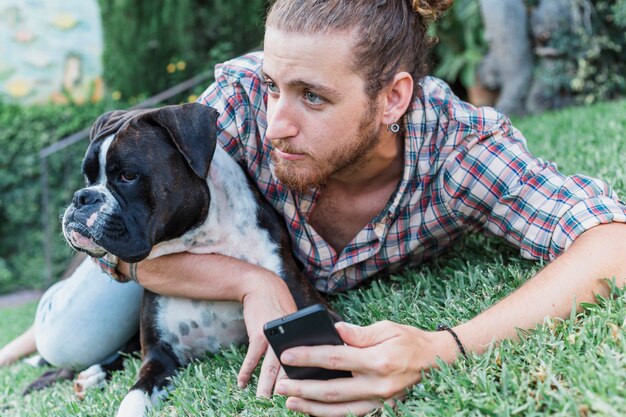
{"x":156,"y":183}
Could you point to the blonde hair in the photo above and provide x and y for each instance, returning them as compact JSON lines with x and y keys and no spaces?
{"x":391,"y":34}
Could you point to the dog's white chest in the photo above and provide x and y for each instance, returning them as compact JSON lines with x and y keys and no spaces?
{"x":194,"y":328}
{"x":231,"y":227}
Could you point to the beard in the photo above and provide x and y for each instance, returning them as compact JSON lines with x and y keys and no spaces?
{"x":344,"y":158}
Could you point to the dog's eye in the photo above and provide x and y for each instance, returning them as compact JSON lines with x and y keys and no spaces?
{"x":128,"y":176}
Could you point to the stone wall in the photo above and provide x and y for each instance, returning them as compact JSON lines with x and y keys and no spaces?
{"x":50,"y":51}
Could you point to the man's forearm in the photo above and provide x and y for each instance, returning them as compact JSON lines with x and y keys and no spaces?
{"x":205,"y":277}
{"x":575,"y":277}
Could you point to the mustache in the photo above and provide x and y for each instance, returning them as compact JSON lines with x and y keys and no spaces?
{"x":286,"y":147}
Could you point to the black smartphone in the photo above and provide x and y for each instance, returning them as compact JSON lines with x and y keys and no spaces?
{"x":310,"y":326}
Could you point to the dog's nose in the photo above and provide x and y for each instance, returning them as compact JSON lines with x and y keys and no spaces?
{"x":87,"y":197}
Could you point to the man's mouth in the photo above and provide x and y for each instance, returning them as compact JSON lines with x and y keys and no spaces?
{"x":288,"y":155}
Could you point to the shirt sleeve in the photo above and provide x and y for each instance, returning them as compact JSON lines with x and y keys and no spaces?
{"x":237,"y":94}
{"x":493,"y":183}
{"x":108,"y":265}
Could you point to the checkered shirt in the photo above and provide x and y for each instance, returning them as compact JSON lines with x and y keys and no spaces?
{"x":466,"y":169}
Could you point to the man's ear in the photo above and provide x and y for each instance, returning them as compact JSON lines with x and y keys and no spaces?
{"x":397,"y":97}
{"x":193,"y":129}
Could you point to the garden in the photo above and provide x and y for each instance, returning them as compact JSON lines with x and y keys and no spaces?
{"x":565,"y":367}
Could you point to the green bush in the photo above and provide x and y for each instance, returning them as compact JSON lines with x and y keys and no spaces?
{"x":152,"y":45}
{"x":461,"y":43}
{"x":25,"y":131}
{"x":593,"y":67}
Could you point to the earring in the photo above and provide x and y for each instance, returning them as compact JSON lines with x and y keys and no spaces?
{"x":394,"y":127}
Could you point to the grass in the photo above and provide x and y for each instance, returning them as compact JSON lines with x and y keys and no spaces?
{"x":571,"y":367}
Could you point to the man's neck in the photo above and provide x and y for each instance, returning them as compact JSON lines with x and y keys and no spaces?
{"x":351,"y":200}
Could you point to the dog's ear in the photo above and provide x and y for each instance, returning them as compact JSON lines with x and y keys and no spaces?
{"x":108,"y":123}
{"x":193,"y":129}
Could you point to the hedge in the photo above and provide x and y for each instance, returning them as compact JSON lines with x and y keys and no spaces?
{"x":24,"y":132}
{"x":152,"y":45}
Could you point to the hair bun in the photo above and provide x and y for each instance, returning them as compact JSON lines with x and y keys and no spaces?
{"x":431,"y":9}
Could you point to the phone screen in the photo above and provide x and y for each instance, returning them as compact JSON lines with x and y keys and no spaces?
{"x":310,"y":326}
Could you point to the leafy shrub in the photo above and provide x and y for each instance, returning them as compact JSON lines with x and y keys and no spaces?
{"x":461,"y":43}
{"x":593,"y":67}
{"x":25,"y":131}
{"x":152,"y":45}
{"x":590,"y":66}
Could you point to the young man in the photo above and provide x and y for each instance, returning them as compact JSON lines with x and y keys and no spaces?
{"x":374,"y":167}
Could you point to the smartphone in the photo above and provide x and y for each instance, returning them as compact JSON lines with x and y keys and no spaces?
{"x":310,"y":326}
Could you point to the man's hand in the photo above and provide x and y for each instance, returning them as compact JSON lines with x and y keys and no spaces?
{"x":385,"y":359}
{"x":267,"y":299}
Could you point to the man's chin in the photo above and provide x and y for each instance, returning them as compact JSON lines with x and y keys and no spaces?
{"x":298,"y":181}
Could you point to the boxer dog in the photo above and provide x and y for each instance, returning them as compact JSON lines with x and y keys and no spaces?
{"x":156,"y":183}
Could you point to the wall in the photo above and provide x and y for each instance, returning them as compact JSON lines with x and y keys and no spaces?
{"x":50,"y":50}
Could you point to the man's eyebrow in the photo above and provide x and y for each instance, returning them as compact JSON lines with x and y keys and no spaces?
{"x":319,"y":88}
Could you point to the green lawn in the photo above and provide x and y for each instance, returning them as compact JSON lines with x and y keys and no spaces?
{"x":573,"y":367}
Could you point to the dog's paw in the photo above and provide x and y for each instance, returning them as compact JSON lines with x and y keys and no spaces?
{"x":135,"y":404}
{"x":36,"y":361}
{"x":94,"y":376}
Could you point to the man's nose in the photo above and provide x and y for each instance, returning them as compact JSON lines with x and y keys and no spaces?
{"x":280,"y":119}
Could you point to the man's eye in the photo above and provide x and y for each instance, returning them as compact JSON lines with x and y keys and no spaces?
{"x":271,"y":87}
{"x":313,"y":98}
{"x":128,"y":176}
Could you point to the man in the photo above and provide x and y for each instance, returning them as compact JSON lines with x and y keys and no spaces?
{"x":375,"y":167}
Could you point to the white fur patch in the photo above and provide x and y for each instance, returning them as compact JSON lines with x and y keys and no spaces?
{"x":135,"y":404}
{"x":92,"y":219}
{"x":231,"y":226}
{"x":102,"y":159}
{"x":110,"y":203}
{"x":35,"y":360}
{"x":92,"y":377}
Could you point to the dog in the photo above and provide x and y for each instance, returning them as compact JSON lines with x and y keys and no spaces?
{"x":157,"y":183}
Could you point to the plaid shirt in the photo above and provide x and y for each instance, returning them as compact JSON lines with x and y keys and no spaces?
{"x":465,"y":169}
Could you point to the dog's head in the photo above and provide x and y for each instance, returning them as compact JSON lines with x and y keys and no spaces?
{"x":145,"y":174}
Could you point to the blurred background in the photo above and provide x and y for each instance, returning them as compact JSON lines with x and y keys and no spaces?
{"x":64,"y":62}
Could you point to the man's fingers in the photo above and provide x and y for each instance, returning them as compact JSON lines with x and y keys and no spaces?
{"x":281,"y":376}
{"x":269,"y":372}
{"x":358,"y":408}
{"x":367,"y":336}
{"x":253,"y":356}
{"x":340,"y":390}
{"x":345,"y":358}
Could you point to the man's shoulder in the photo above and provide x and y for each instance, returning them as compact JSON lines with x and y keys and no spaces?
{"x":249,"y":65}
{"x":439,"y":103}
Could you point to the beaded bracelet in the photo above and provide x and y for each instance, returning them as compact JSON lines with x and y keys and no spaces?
{"x":441,"y":327}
